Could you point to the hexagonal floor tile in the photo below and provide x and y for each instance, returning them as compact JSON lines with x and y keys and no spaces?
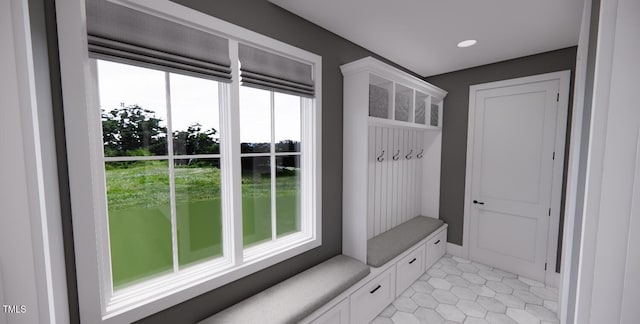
{"x":405,"y":304}
{"x":492,"y":304}
{"x":457,"y":281}
{"x":495,"y":318}
{"x":428,"y":316}
{"x":444,"y":296}
{"x":404,"y":318}
{"x":450,"y":312}
{"x":499,"y":287}
{"x":522,"y":316}
{"x":471,"y":308}
{"x":439,"y":283}
{"x":464,"y":293}
{"x":474,"y":278}
{"x":425,"y":300}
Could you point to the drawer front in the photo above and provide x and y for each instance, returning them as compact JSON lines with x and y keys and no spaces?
{"x":436,"y":248}
{"x":373,"y":297}
{"x":409,"y":269}
{"x":338,"y":314}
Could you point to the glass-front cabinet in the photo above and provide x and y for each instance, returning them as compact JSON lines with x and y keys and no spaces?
{"x":392,"y":102}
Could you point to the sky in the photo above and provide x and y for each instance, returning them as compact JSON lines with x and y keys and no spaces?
{"x":195,"y":100}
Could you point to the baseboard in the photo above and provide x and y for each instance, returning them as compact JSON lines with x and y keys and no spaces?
{"x":455,"y":250}
{"x":552,"y":279}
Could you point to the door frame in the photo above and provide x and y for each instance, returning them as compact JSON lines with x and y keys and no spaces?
{"x":564,"y":77}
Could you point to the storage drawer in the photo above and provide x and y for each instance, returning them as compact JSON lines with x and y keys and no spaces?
{"x":436,"y":248}
{"x":409,"y":269}
{"x":373,"y":297}
{"x":338,"y":314}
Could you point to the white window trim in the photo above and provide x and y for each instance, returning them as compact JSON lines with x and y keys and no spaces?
{"x":97,"y":303}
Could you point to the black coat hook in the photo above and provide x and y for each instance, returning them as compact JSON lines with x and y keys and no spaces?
{"x":396,"y":156}
{"x":380,"y":158}
{"x":408,"y":156}
{"x":419,"y":155}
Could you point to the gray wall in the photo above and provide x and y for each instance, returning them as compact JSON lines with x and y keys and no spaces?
{"x":455,"y":119}
{"x":270,"y":20}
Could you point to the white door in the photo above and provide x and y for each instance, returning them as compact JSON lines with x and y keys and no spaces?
{"x":512,"y":165}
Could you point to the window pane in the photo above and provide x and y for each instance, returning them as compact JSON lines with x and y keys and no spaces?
{"x":255,"y":120}
{"x":287,"y":194}
{"x":195,"y":120}
{"x":256,"y":200}
{"x":139,"y":220}
{"x":133,"y":105}
{"x":287,"y":122}
{"x":198,"y":209}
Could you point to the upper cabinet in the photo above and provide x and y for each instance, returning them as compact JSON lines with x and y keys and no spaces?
{"x":395,"y":98}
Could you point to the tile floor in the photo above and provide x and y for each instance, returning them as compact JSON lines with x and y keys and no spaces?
{"x":456,"y":290}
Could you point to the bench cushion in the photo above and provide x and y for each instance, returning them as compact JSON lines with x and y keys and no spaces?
{"x":388,"y":245}
{"x":293,"y":299}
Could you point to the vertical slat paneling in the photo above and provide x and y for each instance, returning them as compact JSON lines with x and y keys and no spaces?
{"x":378,"y":183}
{"x":389,"y":188}
{"x":411,"y":180}
{"x":420,"y":162}
{"x":371,"y":181}
{"x":403,"y":176}
{"x":395,"y":186}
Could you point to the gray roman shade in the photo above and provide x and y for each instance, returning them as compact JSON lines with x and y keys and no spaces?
{"x":264,"y":70}
{"x":119,"y":33}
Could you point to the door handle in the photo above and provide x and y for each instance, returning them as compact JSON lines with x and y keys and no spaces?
{"x":478,"y":202}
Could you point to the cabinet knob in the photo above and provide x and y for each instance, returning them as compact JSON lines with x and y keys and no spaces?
{"x":478,"y":202}
{"x":375,"y":289}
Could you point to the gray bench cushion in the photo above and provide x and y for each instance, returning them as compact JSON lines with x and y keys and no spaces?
{"x":293,"y":299}
{"x":388,"y":245}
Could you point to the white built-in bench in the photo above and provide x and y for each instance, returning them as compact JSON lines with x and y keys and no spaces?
{"x":343,"y":290}
{"x":386,"y":246}
{"x":295,"y":298}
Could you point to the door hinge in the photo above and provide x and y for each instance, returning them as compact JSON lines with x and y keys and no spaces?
{"x":554,"y":156}
{"x":558,"y":97}
{"x":549,"y":212}
{"x":545,"y":266}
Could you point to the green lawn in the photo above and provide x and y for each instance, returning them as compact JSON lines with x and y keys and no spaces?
{"x":140,"y":217}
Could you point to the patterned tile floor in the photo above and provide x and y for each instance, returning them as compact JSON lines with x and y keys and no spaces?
{"x":456,"y":290}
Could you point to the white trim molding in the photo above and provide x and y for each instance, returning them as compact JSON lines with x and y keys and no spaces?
{"x":455,"y":250}
{"x":31,"y":252}
{"x":98,"y":302}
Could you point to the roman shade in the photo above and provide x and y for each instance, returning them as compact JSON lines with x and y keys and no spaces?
{"x":265,"y":70}
{"x":119,"y":33}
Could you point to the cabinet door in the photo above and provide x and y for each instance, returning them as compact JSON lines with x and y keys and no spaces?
{"x":409,"y":269}
{"x":338,"y":314}
{"x":436,"y":248}
{"x":373,"y":297}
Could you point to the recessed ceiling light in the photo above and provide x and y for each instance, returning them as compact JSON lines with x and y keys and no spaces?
{"x":467,"y":43}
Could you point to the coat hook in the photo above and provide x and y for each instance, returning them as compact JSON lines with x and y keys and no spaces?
{"x":419,"y":155}
{"x":396,"y":156}
{"x":380,"y":158}
{"x":408,"y":156}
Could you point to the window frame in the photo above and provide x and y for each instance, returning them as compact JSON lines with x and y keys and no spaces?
{"x":98,"y":304}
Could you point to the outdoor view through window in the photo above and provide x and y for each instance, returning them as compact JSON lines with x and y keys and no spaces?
{"x":162,"y":140}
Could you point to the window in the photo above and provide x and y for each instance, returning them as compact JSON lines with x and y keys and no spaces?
{"x":159,"y":186}
{"x":194,"y":156}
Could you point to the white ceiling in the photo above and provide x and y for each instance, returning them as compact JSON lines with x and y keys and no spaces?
{"x":422,"y":35}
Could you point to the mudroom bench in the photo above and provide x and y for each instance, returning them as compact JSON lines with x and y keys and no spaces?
{"x":342,"y":289}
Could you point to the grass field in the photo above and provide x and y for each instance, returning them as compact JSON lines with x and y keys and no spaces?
{"x":140,"y":215}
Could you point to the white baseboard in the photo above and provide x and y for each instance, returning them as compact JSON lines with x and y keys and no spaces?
{"x":552,"y":278}
{"x":455,"y":250}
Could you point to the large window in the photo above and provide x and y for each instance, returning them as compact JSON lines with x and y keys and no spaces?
{"x":194,"y":154}
{"x":163,"y":192}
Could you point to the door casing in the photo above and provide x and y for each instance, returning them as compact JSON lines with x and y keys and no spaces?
{"x":551,"y":277}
